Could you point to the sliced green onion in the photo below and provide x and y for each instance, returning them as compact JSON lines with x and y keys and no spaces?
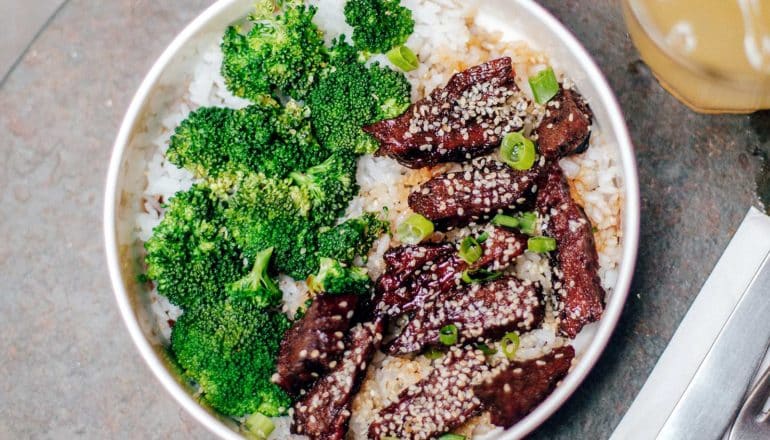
{"x":478,"y":276}
{"x":403,"y":58}
{"x":509,"y":344}
{"x":452,"y":437}
{"x":433,"y":353}
{"x":544,"y":85}
{"x":258,"y":426}
{"x":470,"y":250}
{"x":448,"y":334}
{"x":527,"y":222}
{"x":541,"y":244}
{"x":517,"y":151}
{"x":482,"y":237}
{"x":486,"y":349}
{"x":505,"y":220}
{"x":414,"y":229}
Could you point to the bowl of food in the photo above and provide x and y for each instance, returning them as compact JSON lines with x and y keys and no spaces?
{"x":372,"y":219}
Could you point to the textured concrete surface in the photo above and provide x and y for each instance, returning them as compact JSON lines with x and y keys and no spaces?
{"x":67,"y":366}
{"x":20,"y":22}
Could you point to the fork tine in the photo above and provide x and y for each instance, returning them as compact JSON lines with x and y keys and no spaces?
{"x":750,"y":424}
{"x":757,"y":398}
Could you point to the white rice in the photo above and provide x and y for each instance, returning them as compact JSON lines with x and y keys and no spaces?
{"x":594,"y":176}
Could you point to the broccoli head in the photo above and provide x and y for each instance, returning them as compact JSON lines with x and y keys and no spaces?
{"x":335,"y":278}
{"x":350,"y":95}
{"x":190,"y":255}
{"x":295,"y":148}
{"x":378,"y":25}
{"x":329,"y":186}
{"x":197,"y":142}
{"x":273,"y":142}
{"x":229,"y":348}
{"x":391,"y":92}
{"x":280,"y":53}
{"x":262,"y":137}
{"x":263,"y":212}
{"x":351,"y":238}
{"x":257,"y":284}
{"x":342,"y":53}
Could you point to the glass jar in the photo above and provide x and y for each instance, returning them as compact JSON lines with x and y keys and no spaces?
{"x":713,"y":55}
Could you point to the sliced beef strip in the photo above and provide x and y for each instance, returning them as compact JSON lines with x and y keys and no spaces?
{"x":479,"y":311}
{"x":500,"y":249}
{"x":513,"y":390}
{"x":577,"y":287}
{"x":324,"y":412}
{"x":401,"y":263}
{"x":422,"y":286}
{"x":481,"y":190}
{"x":314,"y":342}
{"x":566,"y":127}
{"x":436,"y":404}
{"x":487,"y":186}
{"x":464,"y":119}
{"x":438,"y":268}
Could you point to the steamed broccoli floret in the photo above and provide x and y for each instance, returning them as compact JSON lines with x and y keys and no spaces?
{"x":342,"y":53}
{"x":229,"y":348}
{"x":334,"y":278}
{"x":252,"y":138}
{"x":279,"y":53}
{"x":197,"y":142}
{"x":378,"y":25}
{"x":257,"y":284}
{"x":351,"y":238}
{"x":190,"y":256}
{"x":391,"y":91}
{"x":263,"y":213}
{"x":293,"y":216}
{"x":262,"y":137}
{"x":298,"y":148}
{"x":350,"y":95}
{"x":329,"y":186}
{"x":341,"y":104}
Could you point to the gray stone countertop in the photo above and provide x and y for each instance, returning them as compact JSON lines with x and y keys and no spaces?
{"x":67,"y":366}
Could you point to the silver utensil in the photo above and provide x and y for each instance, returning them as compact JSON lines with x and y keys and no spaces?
{"x":752,"y":423}
{"x":708,"y":405}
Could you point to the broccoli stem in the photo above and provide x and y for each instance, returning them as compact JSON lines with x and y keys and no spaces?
{"x":257,"y":284}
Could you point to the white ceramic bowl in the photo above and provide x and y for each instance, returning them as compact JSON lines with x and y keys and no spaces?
{"x":125,"y":181}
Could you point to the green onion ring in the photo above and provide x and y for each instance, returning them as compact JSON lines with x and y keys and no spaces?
{"x":403,"y":58}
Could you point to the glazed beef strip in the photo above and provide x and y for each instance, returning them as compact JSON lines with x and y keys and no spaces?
{"x":488,"y":187}
{"x":324,"y":412}
{"x":500,"y":249}
{"x":409,"y":257}
{"x":481,"y":190}
{"x":415,"y":274}
{"x":464,"y":119}
{"x":436,"y":404}
{"x":314,"y":342}
{"x":403,"y":264}
{"x":577,"y":287}
{"x":513,"y":390}
{"x":566,"y":127}
{"x":479,"y":311}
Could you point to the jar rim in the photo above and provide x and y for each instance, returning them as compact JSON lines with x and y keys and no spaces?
{"x":638,"y":12}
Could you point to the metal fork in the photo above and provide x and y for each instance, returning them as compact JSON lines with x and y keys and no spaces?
{"x":752,"y":423}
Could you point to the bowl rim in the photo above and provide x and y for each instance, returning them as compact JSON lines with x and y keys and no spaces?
{"x":630,"y":229}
